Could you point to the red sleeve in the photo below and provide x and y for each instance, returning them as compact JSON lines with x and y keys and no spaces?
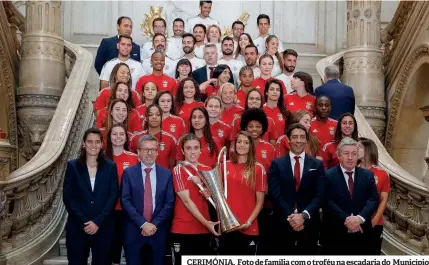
{"x":385,"y":187}
{"x":235,"y":129}
{"x":261,"y":178}
{"x":271,"y":155}
{"x":133,"y":143}
{"x":179,"y":155}
{"x":101,"y":100}
{"x":174,"y":88}
{"x":101,"y":117}
{"x":139,"y":85}
{"x":136,"y":99}
{"x":326,"y":155}
{"x":179,"y":179}
{"x":282,"y":147}
{"x":135,"y":123}
{"x":173,"y":149}
{"x":273,"y":134}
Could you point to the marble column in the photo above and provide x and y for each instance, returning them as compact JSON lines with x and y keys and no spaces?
{"x":363,"y":62}
{"x":41,"y":73}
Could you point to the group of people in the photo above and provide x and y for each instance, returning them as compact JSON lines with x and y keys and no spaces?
{"x":298,"y":179}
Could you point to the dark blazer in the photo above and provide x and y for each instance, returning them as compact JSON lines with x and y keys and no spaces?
{"x":132,"y":202}
{"x":282,"y":191}
{"x":200,"y":75}
{"x":339,"y":203}
{"x":342,"y":97}
{"x":108,"y":51}
{"x":81,"y":202}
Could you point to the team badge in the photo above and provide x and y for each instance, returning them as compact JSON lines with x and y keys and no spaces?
{"x":164,"y":83}
{"x":162,"y":146}
{"x":376,"y":180}
{"x":291,"y":104}
{"x":172,"y":127}
{"x":332,"y":130}
{"x":315,"y":131}
{"x":176,"y":247}
{"x":220,"y":132}
{"x":125,"y":165}
{"x":280,"y":117}
{"x":308,"y":105}
{"x":264,"y":153}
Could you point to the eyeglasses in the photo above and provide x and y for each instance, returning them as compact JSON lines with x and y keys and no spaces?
{"x":148,"y":150}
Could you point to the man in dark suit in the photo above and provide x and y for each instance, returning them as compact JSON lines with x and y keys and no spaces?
{"x":90,"y":193}
{"x":342,"y":96}
{"x":295,"y":186}
{"x":352,"y":198}
{"x":147,"y":200}
{"x":108,"y":46}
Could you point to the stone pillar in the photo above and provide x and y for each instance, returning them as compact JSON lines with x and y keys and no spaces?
{"x":41,"y":73}
{"x":363,"y":62}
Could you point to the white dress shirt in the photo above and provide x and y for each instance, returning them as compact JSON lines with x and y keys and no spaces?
{"x":152,"y":181}
{"x":136,"y":70}
{"x":346,"y":178}
{"x":301,"y":168}
{"x":260,"y":43}
{"x":92,"y":181}
{"x":235,"y":66}
{"x":208,"y":21}
{"x":175,"y":49}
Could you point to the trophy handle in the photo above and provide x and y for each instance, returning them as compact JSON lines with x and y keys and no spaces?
{"x":186,"y":163}
{"x":222,"y":154}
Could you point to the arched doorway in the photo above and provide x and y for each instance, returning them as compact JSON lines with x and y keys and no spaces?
{"x":412,"y":130}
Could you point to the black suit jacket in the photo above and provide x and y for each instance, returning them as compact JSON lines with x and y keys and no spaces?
{"x":108,"y":51}
{"x":340,"y":205}
{"x":282,"y":191}
{"x":81,"y":202}
{"x":342,"y":97}
{"x":200,"y":75}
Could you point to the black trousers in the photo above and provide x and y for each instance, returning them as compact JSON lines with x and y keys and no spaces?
{"x":343,"y":243}
{"x":268,"y":229}
{"x":300,"y":243}
{"x":375,"y":238}
{"x":237,"y":243}
{"x":117,"y":242}
{"x":79,"y":244}
{"x":189,"y":244}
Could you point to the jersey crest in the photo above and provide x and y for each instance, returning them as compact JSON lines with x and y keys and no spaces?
{"x":331,"y":130}
{"x":172,"y":127}
{"x":264,"y":153}
{"x":162,"y":146}
{"x":308,"y":105}
{"x":220,"y":132}
{"x":125,"y":165}
{"x":280,"y":117}
{"x":165,"y":83}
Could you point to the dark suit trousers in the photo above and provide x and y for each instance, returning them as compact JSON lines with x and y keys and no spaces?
{"x":147,"y":250}
{"x":79,"y":243}
{"x":340,"y":243}
{"x":303,"y":242}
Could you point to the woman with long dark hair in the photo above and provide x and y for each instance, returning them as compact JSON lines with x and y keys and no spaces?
{"x":247,"y":184}
{"x":221,"y":75}
{"x":191,"y":229}
{"x":183,"y":70}
{"x":244,"y":40}
{"x":368,"y":157}
{"x":90,"y":193}
{"x":117,"y":151}
{"x":302,"y":98}
{"x":274,"y":105}
{"x":346,"y":127}
{"x":200,"y":126}
{"x":167,"y":142}
{"x":171,"y":123}
{"x":188,"y":97}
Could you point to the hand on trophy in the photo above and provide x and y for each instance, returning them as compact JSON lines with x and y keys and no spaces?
{"x":211,"y":227}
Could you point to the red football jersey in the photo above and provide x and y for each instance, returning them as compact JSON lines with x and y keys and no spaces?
{"x":183,"y":221}
{"x":293,"y":102}
{"x":163,"y":82}
{"x":228,"y":115}
{"x":241,"y":98}
{"x":265,"y":153}
{"x":259,"y":83}
{"x":141,"y":110}
{"x":205,"y":157}
{"x":282,"y":146}
{"x":212,"y":91}
{"x":329,"y":155}
{"x":167,"y":146}
{"x":277,"y":116}
{"x":174,"y":125}
{"x":221,"y":130}
{"x":242,"y":197}
{"x":134,"y":121}
{"x":103,"y":98}
{"x":185,"y":111}
{"x":324,"y":131}
{"x":382,"y":181}
{"x":270,"y":134}
{"x":124,"y":160}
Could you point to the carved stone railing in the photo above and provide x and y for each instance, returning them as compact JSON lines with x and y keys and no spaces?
{"x":407,"y":212}
{"x":34,"y":215}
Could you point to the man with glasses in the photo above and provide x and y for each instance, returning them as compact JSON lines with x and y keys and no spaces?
{"x":147,"y":200}
{"x":237,"y":30}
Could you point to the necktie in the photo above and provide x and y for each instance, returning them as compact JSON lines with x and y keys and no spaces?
{"x":211,"y":71}
{"x":350,"y":181}
{"x":297,"y":172}
{"x":147,"y":203}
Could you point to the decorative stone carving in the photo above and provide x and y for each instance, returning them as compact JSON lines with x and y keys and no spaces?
{"x":155,"y":12}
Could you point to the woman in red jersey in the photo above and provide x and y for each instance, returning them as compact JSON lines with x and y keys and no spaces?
{"x":246,"y":187}
{"x":302,"y":98}
{"x":244,"y":40}
{"x":117,"y":151}
{"x":167,"y":142}
{"x":218,"y":128}
{"x":346,"y":127}
{"x":171,"y":123}
{"x":230,"y":111}
{"x":221,"y":75}
{"x":120,"y":73}
{"x":120,"y":91}
{"x":183,"y":70}
{"x":368,"y":157}
{"x":272,"y":48}
{"x":274,"y":106}
{"x":191,"y":230}
{"x":266,"y":64}
{"x":246,"y":78}
{"x":254,"y":100}
{"x":148,"y":95}
{"x":188,"y":97}
{"x":210,"y":146}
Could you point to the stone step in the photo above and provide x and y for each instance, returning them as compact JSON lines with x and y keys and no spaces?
{"x":63,"y":261}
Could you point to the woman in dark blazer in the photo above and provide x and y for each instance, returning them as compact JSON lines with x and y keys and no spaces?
{"x":90,"y":194}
